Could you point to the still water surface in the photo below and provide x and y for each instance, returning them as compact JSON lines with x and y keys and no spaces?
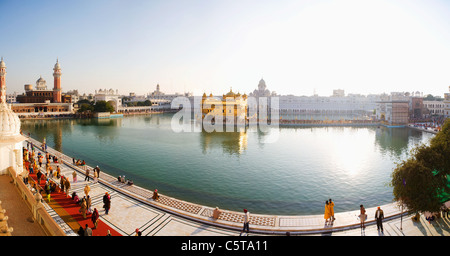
{"x":234,"y":170}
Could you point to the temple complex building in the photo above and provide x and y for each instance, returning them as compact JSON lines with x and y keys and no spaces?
{"x":109,"y":96}
{"x":41,"y":94}
{"x":231,"y":108}
{"x":10,"y":133}
{"x":41,"y":101}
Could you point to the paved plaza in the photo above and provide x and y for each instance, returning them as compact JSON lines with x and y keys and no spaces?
{"x":132,"y":208}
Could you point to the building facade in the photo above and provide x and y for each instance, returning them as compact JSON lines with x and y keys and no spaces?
{"x":160,"y":98}
{"x":231,"y":108}
{"x":41,"y":94}
{"x":434,"y":107}
{"x":46,"y":109}
{"x":109,"y":96}
{"x":394,"y":112}
{"x":447,"y":103}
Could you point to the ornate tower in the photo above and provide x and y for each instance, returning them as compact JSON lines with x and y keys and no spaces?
{"x":2,"y":81}
{"x":10,"y":137}
{"x":57,"y":83}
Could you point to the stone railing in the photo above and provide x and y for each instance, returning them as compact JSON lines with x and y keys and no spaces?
{"x":5,"y":230}
{"x":40,"y":215}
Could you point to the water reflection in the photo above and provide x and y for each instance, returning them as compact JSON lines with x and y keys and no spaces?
{"x":104,"y":129}
{"x":304,"y":164}
{"x":232,"y":143}
{"x":55,"y":130}
{"x":397,"y":141}
{"x":51,"y":130}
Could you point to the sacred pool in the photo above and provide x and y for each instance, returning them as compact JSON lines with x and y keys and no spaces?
{"x":291,"y":175}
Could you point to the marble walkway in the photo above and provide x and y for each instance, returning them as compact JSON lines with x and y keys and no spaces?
{"x":132,"y":208}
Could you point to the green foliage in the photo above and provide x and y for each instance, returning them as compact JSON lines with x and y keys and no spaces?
{"x":420,"y":181}
{"x":84,"y":101}
{"x":85,"y":107}
{"x":139,"y":103}
{"x":103,"y":106}
{"x":432,"y":98}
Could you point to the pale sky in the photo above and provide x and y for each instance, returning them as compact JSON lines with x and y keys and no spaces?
{"x":209,"y":46}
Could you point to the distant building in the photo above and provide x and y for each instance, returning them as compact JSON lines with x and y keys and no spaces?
{"x":434,"y":107}
{"x":352,"y":106}
{"x":161,"y":99}
{"x":133,"y":98}
{"x":394,"y":111}
{"x":416,"y":107}
{"x":42,"y":101}
{"x":74,"y":96}
{"x":11,"y":98}
{"x":41,"y":94}
{"x":231,"y":108}
{"x":447,"y":104}
{"x":338,"y":93}
{"x":262,"y":90}
{"x":42,"y":109}
{"x":109,"y":96}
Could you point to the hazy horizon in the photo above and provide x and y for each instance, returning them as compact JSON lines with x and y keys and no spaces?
{"x":297,"y":47}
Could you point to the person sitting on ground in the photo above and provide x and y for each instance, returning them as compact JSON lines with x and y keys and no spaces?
{"x":155,"y":195}
{"x":216,"y":213}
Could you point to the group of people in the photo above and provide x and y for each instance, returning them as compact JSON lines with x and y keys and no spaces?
{"x":86,"y":209}
{"x":379,"y":216}
{"x":329,"y":215}
{"x":34,"y":166}
{"x":96,"y":174}
{"x":122,"y":179}
{"x":78,"y":162}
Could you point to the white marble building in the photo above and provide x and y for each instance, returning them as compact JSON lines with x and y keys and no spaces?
{"x":10,"y":137}
{"x":109,"y":96}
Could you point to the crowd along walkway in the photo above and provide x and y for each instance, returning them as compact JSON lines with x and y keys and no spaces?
{"x":132,"y":208}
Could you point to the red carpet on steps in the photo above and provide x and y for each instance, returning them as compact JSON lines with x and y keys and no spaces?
{"x":71,"y":208}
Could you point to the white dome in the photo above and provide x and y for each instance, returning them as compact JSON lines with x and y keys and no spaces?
{"x":9,"y":122}
{"x":40,"y":80}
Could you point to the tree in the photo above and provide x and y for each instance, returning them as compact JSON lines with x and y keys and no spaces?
{"x":103,"y":106}
{"x":421,"y":183}
{"x":85,"y":107}
{"x":84,"y":101}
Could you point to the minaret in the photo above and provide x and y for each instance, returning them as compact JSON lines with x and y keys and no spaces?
{"x":57,"y":83}
{"x":2,"y":82}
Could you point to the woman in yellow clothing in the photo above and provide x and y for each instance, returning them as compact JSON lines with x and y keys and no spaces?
{"x":327,"y":215}
{"x":331,"y":204}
